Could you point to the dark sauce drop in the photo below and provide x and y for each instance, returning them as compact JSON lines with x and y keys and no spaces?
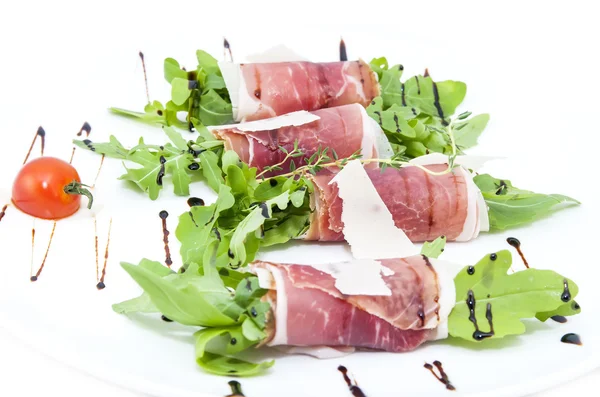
{"x":354,"y":389}
{"x":426,"y":74}
{"x":230,"y":254}
{"x":236,"y":389}
{"x":253,"y":312}
{"x":443,"y":377}
{"x":193,"y":84}
{"x":575,"y":306}
{"x":100,"y":285}
{"x":571,"y":338}
{"x":163,"y":215}
{"x":264,"y":210}
{"x":343,"y":54}
{"x":493,"y":256}
{"x":559,"y":319}
{"x":161,"y":171}
{"x":566,"y":295}
{"x":273,"y":182}
{"x":478,"y":334}
{"x":194,"y":166}
{"x":227,"y":49}
{"x":421,"y":315}
{"x":195,"y":202}
{"x":166,"y":319}
{"x":418,"y":85}
{"x":41,"y":133}
{"x":85,"y":127}
{"x":471,"y":270}
{"x":233,"y":341}
{"x":403,"y":95}
{"x":514,"y":242}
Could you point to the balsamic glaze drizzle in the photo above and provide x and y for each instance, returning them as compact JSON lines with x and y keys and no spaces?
{"x":85,"y":127}
{"x":161,"y":171}
{"x":478,"y":334}
{"x":471,"y":270}
{"x":264,"y":210}
{"x":3,"y":211}
{"x":227,"y":48}
{"x":101,"y":284}
{"x":443,"y":377}
{"x":166,"y":319}
{"x":354,"y":389}
{"x":559,"y":319}
{"x":39,"y":133}
{"x":195,"y":202}
{"x":436,"y":103}
{"x":163,"y":216}
{"x":343,"y":54}
{"x":514,"y":242}
{"x":403,"y":95}
{"x":39,"y":272}
{"x":236,"y":389}
{"x":141,"y":54}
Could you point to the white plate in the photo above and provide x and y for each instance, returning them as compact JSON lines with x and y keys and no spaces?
{"x":64,"y":315}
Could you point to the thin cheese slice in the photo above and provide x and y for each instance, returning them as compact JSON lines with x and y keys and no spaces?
{"x":368,"y":225}
{"x":358,"y":277}
{"x":295,"y":119}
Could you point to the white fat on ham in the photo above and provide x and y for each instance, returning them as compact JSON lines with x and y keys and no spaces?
{"x":294,"y":119}
{"x":368,"y":225}
{"x":241,"y":101}
{"x":446,"y":272}
{"x":477,"y":212}
{"x":280,"y":337}
{"x":373,"y":136}
{"x":321,"y":352}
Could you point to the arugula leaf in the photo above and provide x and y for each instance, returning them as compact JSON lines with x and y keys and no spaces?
{"x":215,"y":110}
{"x":568,"y":309}
{"x":113,"y":148}
{"x":173,"y":70}
{"x":509,"y":206}
{"x":467,"y":132}
{"x":190,"y":304}
{"x":434,"y":248}
{"x":512,"y":296}
{"x":251,"y":223}
{"x":211,"y":169}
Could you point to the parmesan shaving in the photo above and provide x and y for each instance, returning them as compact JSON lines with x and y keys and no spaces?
{"x":287,"y":120}
{"x":368,"y":225}
{"x":358,"y":277}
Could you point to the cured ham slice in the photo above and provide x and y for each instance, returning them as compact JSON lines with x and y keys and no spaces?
{"x":263,"y":90}
{"x":424,"y":206}
{"x":308,"y":309}
{"x":312,"y":313}
{"x":347,"y":129}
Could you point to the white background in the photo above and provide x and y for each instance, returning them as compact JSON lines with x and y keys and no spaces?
{"x":553,"y":43}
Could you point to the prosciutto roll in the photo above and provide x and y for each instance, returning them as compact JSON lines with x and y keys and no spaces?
{"x":262,"y":90}
{"x":347,"y":129}
{"x":422,"y":205}
{"x":308,"y":308}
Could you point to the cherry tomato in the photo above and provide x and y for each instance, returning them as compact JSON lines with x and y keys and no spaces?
{"x":39,"y":187}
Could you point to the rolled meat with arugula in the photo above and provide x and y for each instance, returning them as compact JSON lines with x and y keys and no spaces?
{"x":425,"y":206}
{"x":265,"y":144}
{"x":263,"y":90}
{"x":393,"y":304}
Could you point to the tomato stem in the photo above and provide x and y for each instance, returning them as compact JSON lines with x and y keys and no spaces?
{"x":79,"y":188}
